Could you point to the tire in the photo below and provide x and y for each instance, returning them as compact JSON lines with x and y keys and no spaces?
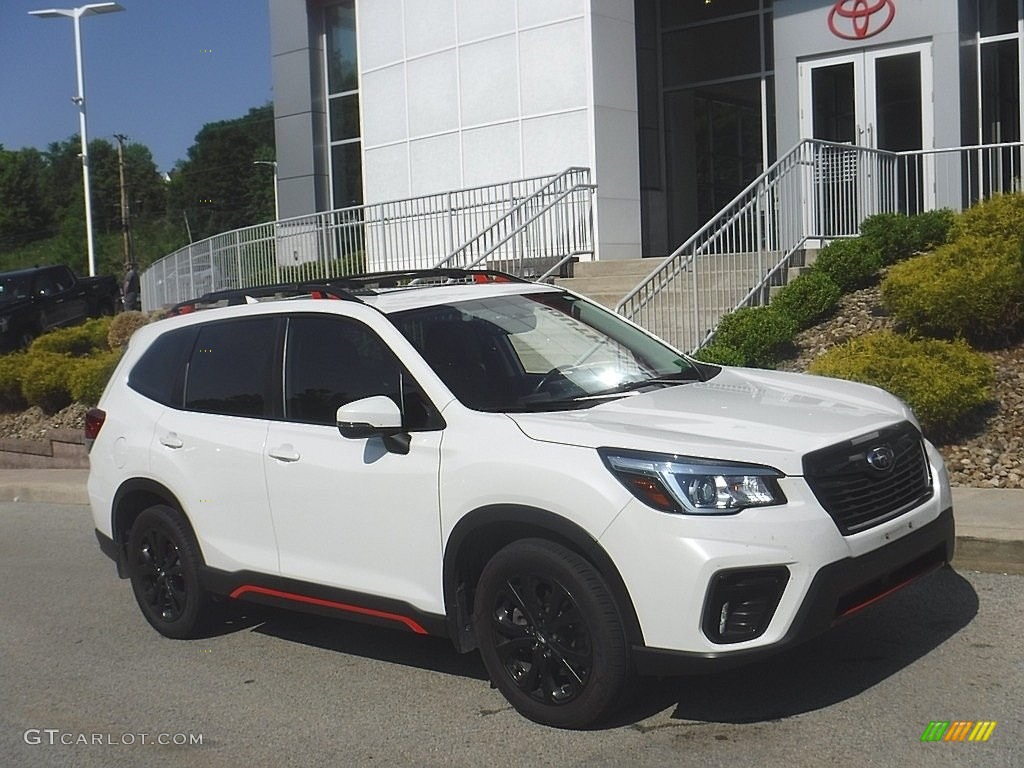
{"x":551,"y":635}
{"x":163,"y":565}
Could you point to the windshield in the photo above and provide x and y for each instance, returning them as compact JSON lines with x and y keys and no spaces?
{"x":539,"y":351}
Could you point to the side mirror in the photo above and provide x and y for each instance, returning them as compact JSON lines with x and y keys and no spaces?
{"x":376,"y":416}
{"x":369,"y":417}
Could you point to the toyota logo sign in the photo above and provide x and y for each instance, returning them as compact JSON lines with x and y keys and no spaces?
{"x":858,"y":19}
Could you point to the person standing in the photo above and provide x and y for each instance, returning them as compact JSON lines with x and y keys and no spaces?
{"x":130,"y":288}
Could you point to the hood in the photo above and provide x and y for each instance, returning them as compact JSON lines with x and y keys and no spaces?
{"x":761,"y":417}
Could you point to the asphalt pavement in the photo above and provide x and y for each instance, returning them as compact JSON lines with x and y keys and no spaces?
{"x":989,"y":521}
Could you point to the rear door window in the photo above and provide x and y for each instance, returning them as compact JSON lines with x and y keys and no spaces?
{"x":231,"y":371}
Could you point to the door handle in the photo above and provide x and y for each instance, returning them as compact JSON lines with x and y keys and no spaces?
{"x":286,"y":453}
{"x":171,"y":440}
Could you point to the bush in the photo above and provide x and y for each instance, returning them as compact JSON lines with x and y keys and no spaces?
{"x":891,"y":234}
{"x":1001,"y":216}
{"x":722,"y":354}
{"x":972,"y":287}
{"x":932,"y":228}
{"x":852,"y":264}
{"x":753,"y":336}
{"x":11,"y":368}
{"x":90,"y":375}
{"x":44,"y":380}
{"x":78,"y":340}
{"x":123,"y":326}
{"x":807,"y":299}
{"x":897,"y":237}
{"x":942,"y":381}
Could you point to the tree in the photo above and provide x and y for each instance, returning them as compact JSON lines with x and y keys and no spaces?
{"x":218,"y":187}
{"x":24,"y":212}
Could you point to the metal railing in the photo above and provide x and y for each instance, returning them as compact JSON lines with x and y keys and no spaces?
{"x":527,"y":222}
{"x":817,"y":192}
{"x":538,"y":234}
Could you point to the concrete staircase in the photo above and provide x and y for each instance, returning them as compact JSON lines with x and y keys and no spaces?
{"x":722,"y":281}
{"x":606,"y":282}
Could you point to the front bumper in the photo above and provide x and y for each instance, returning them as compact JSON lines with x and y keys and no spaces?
{"x":836,"y":592}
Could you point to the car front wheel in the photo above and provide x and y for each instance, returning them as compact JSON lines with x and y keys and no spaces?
{"x":550,"y":634}
{"x":163,"y":563}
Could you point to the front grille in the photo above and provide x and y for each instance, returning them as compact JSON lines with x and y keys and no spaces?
{"x":860,"y":493}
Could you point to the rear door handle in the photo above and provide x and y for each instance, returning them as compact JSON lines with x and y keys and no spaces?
{"x":285,"y":453}
{"x":171,"y":440}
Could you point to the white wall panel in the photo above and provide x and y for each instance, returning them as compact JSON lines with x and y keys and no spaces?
{"x":429,"y":26}
{"x":485,"y":18}
{"x":553,"y":66}
{"x":435,"y":164}
{"x":492,"y":154}
{"x":386,"y":172}
{"x":543,"y":11}
{"x":433,"y":94}
{"x":381,"y":33}
{"x":552,"y":143}
{"x":488,"y":81}
{"x":382,"y":102}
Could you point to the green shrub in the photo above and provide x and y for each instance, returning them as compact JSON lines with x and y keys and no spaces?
{"x":807,"y":299}
{"x":891,"y":234}
{"x":78,"y":340}
{"x":123,"y":326}
{"x":721,"y":354}
{"x":11,"y":368}
{"x":972,"y":287}
{"x":758,"y":335}
{"x":852,"y":264}
{"x":1001,"y":216}
{"x":897,"y":237}
{"x":942,"y":381}
{"x":44,"y":380}
{"x":90,"y":375}
{"x":932,"y":228}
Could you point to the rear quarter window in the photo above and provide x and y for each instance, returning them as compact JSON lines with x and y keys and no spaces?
{"x":160,"y":373}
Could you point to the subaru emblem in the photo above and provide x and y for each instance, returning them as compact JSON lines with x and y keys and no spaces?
{"x":881,"y":458}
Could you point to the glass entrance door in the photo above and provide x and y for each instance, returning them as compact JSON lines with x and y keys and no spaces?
{"x":877,"y":99}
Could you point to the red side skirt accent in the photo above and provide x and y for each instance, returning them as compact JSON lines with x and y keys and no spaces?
{"x":246,"y":588}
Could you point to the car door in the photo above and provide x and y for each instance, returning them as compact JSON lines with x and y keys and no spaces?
{"x":349,"y":513}
{"x":209,"y":450}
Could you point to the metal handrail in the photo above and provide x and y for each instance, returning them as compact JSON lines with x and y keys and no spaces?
{"x":512,"y":212}
{"x":400,"y":234}
{"x":816,"y":192}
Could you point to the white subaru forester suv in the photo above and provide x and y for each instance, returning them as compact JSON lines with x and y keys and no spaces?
{"x":504,"y":463}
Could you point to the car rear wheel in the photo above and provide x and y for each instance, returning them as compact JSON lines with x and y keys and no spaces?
{"x":550,"y":634}
{"x":163,"y":565}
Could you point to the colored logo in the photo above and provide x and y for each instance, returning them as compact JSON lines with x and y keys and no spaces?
{"x":958,"y":730}
{"x":860,"y":19}
{"x":881,"y":458}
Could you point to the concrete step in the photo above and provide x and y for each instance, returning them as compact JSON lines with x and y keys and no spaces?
{"x":638,"y":268}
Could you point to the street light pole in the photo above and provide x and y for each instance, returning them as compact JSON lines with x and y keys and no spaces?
{"x":273,"y":164}
{"x":76,"y":14}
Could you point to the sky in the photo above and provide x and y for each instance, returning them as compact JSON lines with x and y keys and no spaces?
{"x":156,"y":72}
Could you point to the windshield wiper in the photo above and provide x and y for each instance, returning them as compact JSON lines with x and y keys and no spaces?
{"x":670,"y":380}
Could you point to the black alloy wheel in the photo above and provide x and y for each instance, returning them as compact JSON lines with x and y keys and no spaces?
{"x":550,"y":634}
{"x":163,"y":562}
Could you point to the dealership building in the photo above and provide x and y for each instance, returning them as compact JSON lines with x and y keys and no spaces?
{"x":674,"y":106}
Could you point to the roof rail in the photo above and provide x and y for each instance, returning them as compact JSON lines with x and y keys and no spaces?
{"x":345,"y":288}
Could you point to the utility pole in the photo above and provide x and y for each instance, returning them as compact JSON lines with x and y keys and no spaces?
{"x":125,"y":214}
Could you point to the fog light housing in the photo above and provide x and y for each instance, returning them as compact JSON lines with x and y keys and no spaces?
{"x":740,"y":603}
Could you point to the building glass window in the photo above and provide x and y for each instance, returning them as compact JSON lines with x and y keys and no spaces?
{"x":343,"y":104}
{"x":706,"y":110}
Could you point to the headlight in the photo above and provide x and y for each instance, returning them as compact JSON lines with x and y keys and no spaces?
{"x":687,"y":485}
